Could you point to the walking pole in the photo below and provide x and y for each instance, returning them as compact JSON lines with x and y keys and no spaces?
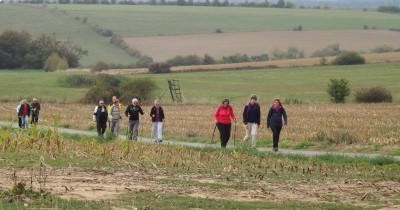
{"x":234,"y":136}
{"x":212,"y":138}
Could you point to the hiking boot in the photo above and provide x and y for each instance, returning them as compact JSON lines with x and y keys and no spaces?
{"x":275,"y":149}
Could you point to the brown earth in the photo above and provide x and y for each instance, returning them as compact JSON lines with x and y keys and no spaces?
{"x":255,"y":43}
{"x":104,"y":184}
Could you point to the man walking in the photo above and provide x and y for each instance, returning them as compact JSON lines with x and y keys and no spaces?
{"x":100,"y":115}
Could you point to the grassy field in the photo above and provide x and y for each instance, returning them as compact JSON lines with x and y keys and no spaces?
{"x":307,"y":84}
{"x":163,"y":20}
{"x":38,"y":20}
{"x":121,"y":175}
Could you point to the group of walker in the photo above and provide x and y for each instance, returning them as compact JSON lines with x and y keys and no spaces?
{"x":223,"y":116}
{"x":26,"y":111}
{"x":113,"y":115}
{"x":276,"y":118}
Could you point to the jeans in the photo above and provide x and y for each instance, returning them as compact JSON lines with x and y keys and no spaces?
{"x":225,"y":133}
{"x":24,"y":121}
{"x":133,"y":129}
{"x":251,"y":130}
{"x":114,"y":126}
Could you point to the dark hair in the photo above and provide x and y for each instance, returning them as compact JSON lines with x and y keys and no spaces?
{"x":225,"y":100}
{"x":253,"y":97}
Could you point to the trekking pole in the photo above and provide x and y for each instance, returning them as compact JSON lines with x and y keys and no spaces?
{"x":234,"y":135}
{"x":212,"y":138}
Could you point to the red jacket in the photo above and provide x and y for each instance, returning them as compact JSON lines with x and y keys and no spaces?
{"x":224,"y":115}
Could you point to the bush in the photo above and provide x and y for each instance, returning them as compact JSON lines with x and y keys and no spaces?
{"x":142,"y":88}
{"x":13,"y":48}
{"x":108,"y":80}
{"x":208,"y":60}
{"x":55,"y":62}
{"x":373,"y":95}
{"x":291,"y":53}
{"x":219,"y":31}
{"x":338,"y":90}
{"x":79,"y":81}
{"x":97,"y":93}
{"x":185,"y":60}
{"x":349,"y":58}
{"x":144,"y":61}
{"x":330,"y":50}
{"x":99,"y":66}
{"x":382,"y":49}
{"x":157,"y":68}
{"x":237,"y":58}
{"x":390,"y":9}
{"x":262,"y":57}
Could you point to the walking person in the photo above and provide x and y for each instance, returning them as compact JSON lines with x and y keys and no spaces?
{"x":35,"y":106}
{"x":24,"y":112}
{"x":157,"y":119}
{"x":19,"y":117}
{"x":100,"y":115}
{"x":223,"y":117}
{"x":275,"y":119}
{"x":132,"y":112}
{"x":115,"y":117}
{"x":251,"y":120}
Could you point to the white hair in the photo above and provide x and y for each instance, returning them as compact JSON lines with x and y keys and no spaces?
{"x":135,"y":100}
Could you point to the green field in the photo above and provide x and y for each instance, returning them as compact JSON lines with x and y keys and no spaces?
{"x":171,"y":20}
{"x":37,"y":21}
{"x":306,"y":84}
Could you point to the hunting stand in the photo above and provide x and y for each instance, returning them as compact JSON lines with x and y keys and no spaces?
{"x":175,"y":90}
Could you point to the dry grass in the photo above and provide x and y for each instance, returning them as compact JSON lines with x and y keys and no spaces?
{"x":345,"y":125}
{"x":252,"y":43}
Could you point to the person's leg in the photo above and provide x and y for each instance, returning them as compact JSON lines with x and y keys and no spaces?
{"x":19,"y":121}
{"x":112,"y":127}
{"x":278,"y":133}
{"x":221,"y":132}
{"x":25,"y":121}
{"x":247,"y":132}
{"x":130,"y":129}
{"x":103,"y":127}
{"x":37,"y":118}
{"x":254,"y":128}
{"x":160,"y":131}
{"x":98,"y":126}
{"x":135,"y":130}
{"x":116,"y":128}
{"x":154,"y":131}
{"x":275,"y":137}
{"x":227,"y":134}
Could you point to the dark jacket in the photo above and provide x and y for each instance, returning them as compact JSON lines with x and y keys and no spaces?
{"x":153,"y":114}
{"x":35,"y":107}
{"x":101,"y":114}
{"x":21,"y":109}
{"x":274,"y":117}
{"x":252,"y":114}
{"x":133,"y":112}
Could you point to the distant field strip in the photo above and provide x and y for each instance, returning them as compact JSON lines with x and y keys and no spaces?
{"x":254,"y":43}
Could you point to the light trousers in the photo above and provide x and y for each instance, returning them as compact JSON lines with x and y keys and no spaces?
{"x":157,"y":130}
{"x":251,"y":130}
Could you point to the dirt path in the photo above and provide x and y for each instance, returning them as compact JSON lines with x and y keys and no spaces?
{"x":202,"y":145}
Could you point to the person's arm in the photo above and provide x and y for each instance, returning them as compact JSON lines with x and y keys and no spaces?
{"x":162,"y":114}
{"x":245,"y":115}
{"x":269,"y":117}
{"x":29,"y":110}
{"x":127,"y":111}
{"x":258,"y":117}
{"x":284,"y":116}
{"x":95,"y":113}
{"x":152,"y":112}
{"x":216,"y":114}
{"x":233,"y":115}
{"x":141,"y":110}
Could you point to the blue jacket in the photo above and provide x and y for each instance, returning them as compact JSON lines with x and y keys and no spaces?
{"x":274,"y":117}
{"x":251,"y":114}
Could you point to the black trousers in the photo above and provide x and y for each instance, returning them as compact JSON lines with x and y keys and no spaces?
{"x":101,"y":127}
{"x":35,"y":118}
{"x":276,"y":131}
{"x":19,"y":122}
{"x":224,"y":133}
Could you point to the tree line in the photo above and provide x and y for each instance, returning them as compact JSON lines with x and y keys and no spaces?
{"x":20,"y":50}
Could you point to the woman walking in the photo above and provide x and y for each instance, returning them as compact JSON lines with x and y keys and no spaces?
{"x":223,"y":117}
{"x":100,"y":115}
{"x":275,"y":119}
{"x":251,"y":120}
{"x":132,"y":112}
{"x":24,"y":112}
{"x":157,"y":119}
